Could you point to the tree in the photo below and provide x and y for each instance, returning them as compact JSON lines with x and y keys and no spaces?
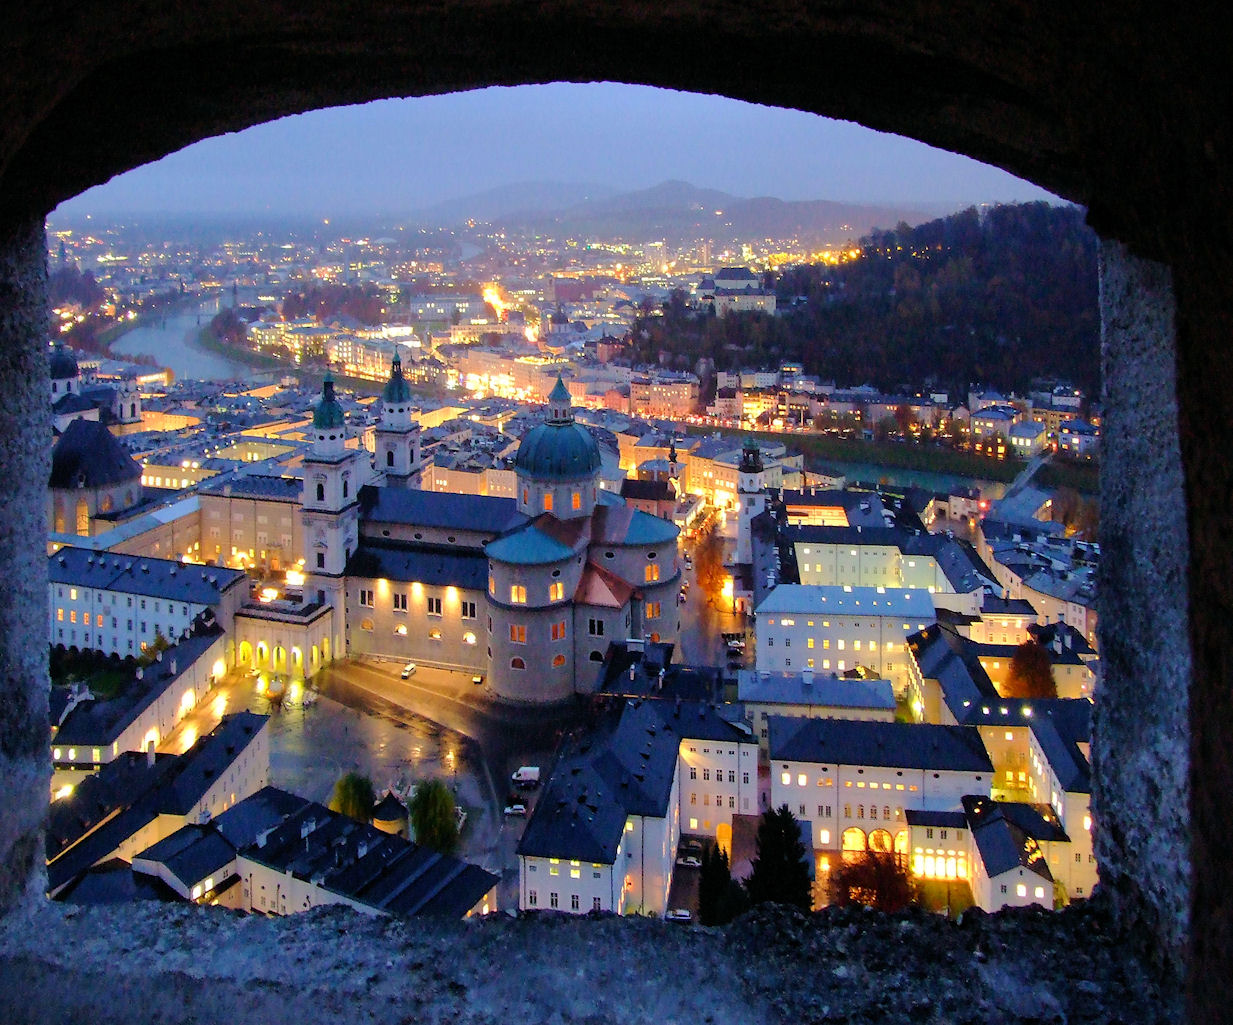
{"x":780,"y":867}
{"x":433,"y":818}
{"x":354,"y":797}
{"x":1031,"y":673}
{"x":876,"y":879}
{"x":720,"y":897}
{"x":884,"y":428}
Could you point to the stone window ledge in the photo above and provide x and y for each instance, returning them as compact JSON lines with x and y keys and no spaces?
{"x":170,"y":963}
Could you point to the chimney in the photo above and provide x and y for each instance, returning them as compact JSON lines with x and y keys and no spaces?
{"x":150,"y":756}
{"x":173,"y":667}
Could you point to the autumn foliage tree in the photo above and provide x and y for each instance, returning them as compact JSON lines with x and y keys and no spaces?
{"x":354,"y":797}
{"x":878,"y":880}
{"x":1031,"y":673}
{"x":433,"y":818}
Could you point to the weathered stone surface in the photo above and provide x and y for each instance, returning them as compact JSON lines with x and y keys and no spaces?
{"x":1140,"y":751}
{"x":161,"y":964}
{"x":1123,"y":107}
{"x":25,"y":460}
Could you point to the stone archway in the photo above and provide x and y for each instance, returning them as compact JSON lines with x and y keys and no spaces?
{"x":1117,"y":107}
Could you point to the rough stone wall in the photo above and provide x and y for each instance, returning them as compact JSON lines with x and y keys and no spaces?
{"x":25,"y":463}
{"x":153,"y":964}
{"x":1140,"y":752}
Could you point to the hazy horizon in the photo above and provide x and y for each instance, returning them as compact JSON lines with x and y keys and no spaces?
{"x":396,"y":157}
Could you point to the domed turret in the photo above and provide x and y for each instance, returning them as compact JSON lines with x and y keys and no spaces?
{"x":396,"y":389}
{"x":62,"y":364}
{"x":328,"y":413}
{"x":558,"y":463}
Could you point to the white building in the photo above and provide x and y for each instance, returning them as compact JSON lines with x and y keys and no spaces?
{"x":120,"y":603}
{"x":854,"y":781}
{"x":605,"y":830}
{"x":798,"y":626}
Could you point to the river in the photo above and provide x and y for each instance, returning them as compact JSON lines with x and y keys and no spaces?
{"x":173,"y":343}
{"x":943,"y":483}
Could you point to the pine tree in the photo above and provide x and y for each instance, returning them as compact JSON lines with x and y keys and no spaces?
{"x":780,"y":868}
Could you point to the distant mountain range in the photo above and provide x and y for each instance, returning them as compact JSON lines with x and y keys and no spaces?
{"x":675,"y":211}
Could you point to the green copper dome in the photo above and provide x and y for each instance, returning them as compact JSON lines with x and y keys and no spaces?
{"x":557,"y":451}
{"x":328,"y":413}
{"x":396,"y":389}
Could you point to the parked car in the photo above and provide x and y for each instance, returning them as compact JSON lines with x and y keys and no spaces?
{"x":515,"y":809}
{"x":526,"y":777}
{"x":478,"y":679}
{"x":689,"y":861}
{"x":691,"y":846}
{"x":678,"y":915}
{"x":681,"y":598}
{"x":408,"y":670}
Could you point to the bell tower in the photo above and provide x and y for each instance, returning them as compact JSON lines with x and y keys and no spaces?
{"x":329,"y":503}
{"x":398,"y":434}
{"x":751,"y":485}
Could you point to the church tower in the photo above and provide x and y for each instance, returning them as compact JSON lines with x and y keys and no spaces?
{"x":398,"y":434}
{"x":333,"y":475}
{"x":558,"y":463}
{"x":751,"y":485}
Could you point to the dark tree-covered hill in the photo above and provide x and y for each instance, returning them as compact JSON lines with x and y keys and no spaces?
{"x":999,"y":297}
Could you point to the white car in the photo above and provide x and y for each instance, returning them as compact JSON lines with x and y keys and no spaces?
{"x":678,"y":915}
{"x":689,"y":861}
{"x":408,"y":670}
{"x":515,"y":809}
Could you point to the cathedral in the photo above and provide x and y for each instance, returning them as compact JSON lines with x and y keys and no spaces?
{"x":527,"y":592}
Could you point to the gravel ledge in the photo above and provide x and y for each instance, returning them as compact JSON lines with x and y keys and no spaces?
{"x":171,"y":963}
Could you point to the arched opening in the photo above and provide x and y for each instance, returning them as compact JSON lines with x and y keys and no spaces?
{"x":962,"y":94}
{"x":246,"y":653}
{"x":854,"y":839}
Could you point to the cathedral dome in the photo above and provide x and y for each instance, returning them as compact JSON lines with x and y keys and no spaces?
{"x":88,"y":455}
{"x":328,"y":413}
{"x":62,"y":364}
{"x":558,"y":451}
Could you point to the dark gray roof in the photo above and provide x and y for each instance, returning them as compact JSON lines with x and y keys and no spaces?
{"x":646,"y":490}
{"x":99,"y":723}
{"x":130,"y":574}
{"x":134,"y":793}
{"x":944,"y":819}
{"x":436,"y":509}
{"x":88,"y":455}
{"x":434,"y":566}
{"x":894,"y":745}
{"x":625,"y":766}
{"x":268,"y":487}
{"x":1009,"y":841}
{"x":73,"y":402}
{"x":358,"y":861}
{"x":114,"y":882}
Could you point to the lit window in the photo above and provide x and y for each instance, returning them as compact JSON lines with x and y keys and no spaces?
{"x":652,"y":610}
{"x":652,"y":572}
{"x":518,"y":594}
{"x":1021,"y":890}
{"x":801,"y":780}
{"x":786,"y":779}
{"x":556,"y":591}
{"x":468,"y":638}
{"x":576,"y":500}
{"x":558,"y":631}
{"x":558,"y":660}
{"x":547,"y":501}
{"x":518,"y":633}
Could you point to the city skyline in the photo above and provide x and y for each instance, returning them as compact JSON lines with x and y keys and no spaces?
{"x":401,"y":156}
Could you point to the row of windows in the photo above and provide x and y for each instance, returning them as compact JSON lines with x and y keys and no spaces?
{"x":433,"y":606}
{"x":719,"y":800}
{"x":115,"y":600}
{"x":517,"y":662}
{"x":554,"y":901}
{"x":706,"y":775}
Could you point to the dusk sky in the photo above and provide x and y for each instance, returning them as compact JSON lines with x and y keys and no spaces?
{"x":397,"y":156}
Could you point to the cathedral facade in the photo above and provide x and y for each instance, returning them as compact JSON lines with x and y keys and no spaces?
{"x":526,"y":592}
